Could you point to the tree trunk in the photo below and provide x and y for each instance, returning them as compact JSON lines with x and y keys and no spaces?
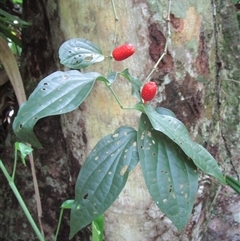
{"x":197,"y":80}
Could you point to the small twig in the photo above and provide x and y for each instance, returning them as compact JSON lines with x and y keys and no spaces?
{"x":115,"y":34}
{"x":116,"y":20}
{"x":166,"y":44}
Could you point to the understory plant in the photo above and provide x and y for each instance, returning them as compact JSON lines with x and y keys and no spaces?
{"x":168,"y":157}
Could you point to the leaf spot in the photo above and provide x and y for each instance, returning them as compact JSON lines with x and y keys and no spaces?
{"x":181,"y":186}
{"x":43,"y":89}
{"x":45,"y":83}
{"x":78,"y":207}
{"x":99,"y":170}
{"x":170,"y":189}
{"x":153,"y":141}
{"x":21,"y":125}
{"x":134,"y":143}
{"x":95,"y":212}
{"x":124,"y":169}
{"x":35,"y":117}
{"x":109,"y":173}
{"x":85,"y":196}
{"x":154,"y":153}
{"x":115,"y":135}
{"x":173,"y":195}
{"x":96,"y":158}
{"x":125,"y":133}
{"x":88,"y":58}
{"x":164,"y":200}
{"x":149,"y":134}
{"x":186,"y":196}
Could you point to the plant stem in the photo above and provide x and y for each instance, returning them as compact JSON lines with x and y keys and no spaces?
{"x":116,"y":20}
{"x":59,"y":224}
{"x":14,"y":164}
{"x":21,"y":202}
{"x":115,"y":33}
{"x":166,"y":44}
{"x":119,"y":102}
{"x":115,"y":96}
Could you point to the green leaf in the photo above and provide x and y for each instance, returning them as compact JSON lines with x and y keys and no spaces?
{"x":24,"y":150}
{"x":165,"y":111}
{"x":58,"y":93}
{"x":136,"y":83}
{"x":8,"y":18}
{"x":67,"y":204}
{"x":8,"y":33}
{"x":171,"y":177}
{"x":234,"y":184}
{"x":109,"y":79}
{"x":103,"y":176}
{"x":98,"y":228}
{"x":235,"y":1}
{"x":177,"y":132}
{"x":79,"y":53}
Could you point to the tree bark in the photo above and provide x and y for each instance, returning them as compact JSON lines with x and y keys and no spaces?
{"x":195,"y":80}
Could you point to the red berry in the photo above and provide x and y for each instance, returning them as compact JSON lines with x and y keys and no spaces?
{"x":149,"y":91}
{"x":123,"y":51}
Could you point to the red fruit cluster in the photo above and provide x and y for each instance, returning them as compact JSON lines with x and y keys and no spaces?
{"x":123,"y":51}
{"x":149,"y":91}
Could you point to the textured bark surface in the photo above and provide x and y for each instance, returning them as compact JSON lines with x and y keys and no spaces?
{"x":195,"y":79}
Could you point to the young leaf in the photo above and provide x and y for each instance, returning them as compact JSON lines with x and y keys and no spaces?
{"x":103,"y":176}
{"x":176,"y":131}
{"x":171,"y":177}
{"x":23,"y":149}
{"x":79,"y":53}
{"x":109,"y":79}
{"x":58,"y":93}
{"x":98,"y":228}
{"x":67,"y":204}
{"x":136,"y":83}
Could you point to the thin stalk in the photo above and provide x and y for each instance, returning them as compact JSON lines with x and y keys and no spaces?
{"x":14,"y":164}
{"x":166,"y":44}
{"x":59,"y":224}
{"x":118,"y":100}
{"x":115,"y":32}
{"x":21,"y":202}
{"x":115,"y":96}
